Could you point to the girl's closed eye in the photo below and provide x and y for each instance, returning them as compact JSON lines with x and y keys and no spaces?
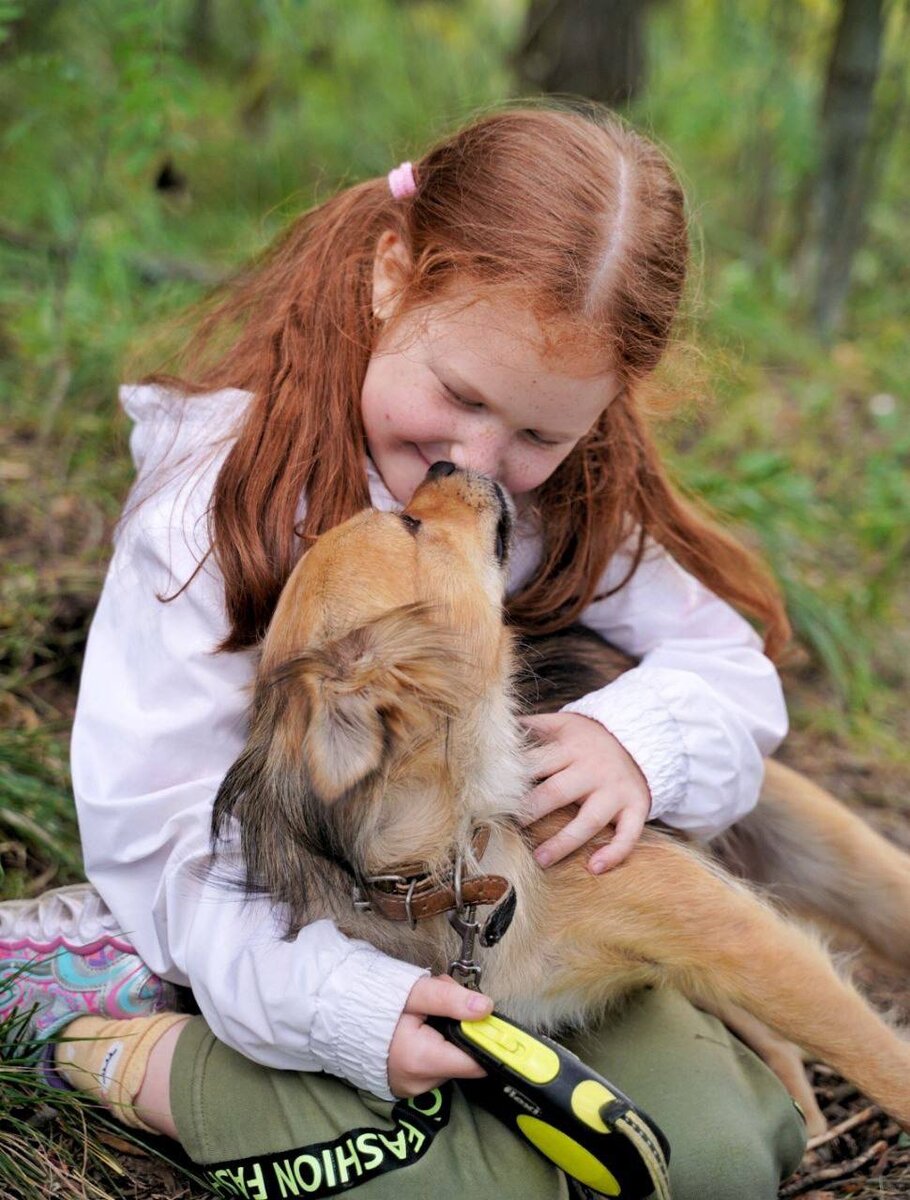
{"x":538,"y":438}
{"x":532,"y":435}
{"x":453,"y":395}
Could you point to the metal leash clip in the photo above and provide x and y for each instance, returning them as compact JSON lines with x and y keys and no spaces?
{"x":465,"y":969}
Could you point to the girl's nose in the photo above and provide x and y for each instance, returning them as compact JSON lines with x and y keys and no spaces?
{"x":483,"y":455}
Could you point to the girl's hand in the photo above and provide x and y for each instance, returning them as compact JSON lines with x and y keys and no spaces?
{"x":579,"y":762}
{"x":420,"y":1058}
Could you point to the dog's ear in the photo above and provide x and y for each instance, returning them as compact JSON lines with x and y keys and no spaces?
{"x":280,"y":825}
{"x":396,"y":675}
{"x":324,"y":724}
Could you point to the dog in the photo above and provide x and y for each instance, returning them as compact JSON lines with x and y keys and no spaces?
{"x":382,"y":786}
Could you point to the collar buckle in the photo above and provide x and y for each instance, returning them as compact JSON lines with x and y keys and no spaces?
{"x":360,"y":900}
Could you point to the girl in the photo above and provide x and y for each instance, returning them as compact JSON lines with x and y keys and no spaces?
{"x":498,"y":305}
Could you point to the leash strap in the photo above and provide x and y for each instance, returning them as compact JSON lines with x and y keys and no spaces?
{"x":341,"y":1164}
{"x":642,"y":1136}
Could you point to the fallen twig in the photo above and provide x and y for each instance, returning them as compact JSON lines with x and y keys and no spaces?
{"x":835,"y":1171}
{"x":860,"y":1118}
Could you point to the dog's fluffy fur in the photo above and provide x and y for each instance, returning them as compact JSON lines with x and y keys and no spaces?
{"x":384,"y":728}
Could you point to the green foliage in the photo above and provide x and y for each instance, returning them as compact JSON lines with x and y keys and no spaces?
{"x":250,"y":112}
{"x":806,"y":446}
{"x":36,"y":812}
{"x":257,"y":113}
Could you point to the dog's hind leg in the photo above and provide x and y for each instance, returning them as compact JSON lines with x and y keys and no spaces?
{"x":817,"y":857}
{"x":667,"y":912}
{"x":783,"y":1057}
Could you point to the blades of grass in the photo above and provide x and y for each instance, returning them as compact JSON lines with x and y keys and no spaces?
{"x":35,"y":798}
{"x":22,"y":823}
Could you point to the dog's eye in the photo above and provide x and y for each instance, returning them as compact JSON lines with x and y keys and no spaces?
{"x":410,"y":523}
{"x":503,"y":526}
{"x":503,"y":529}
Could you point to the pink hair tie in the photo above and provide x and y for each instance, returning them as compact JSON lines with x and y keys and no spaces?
{"x":401,"y":181}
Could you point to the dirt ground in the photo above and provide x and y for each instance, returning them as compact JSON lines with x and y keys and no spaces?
{"x":864,"y":1155}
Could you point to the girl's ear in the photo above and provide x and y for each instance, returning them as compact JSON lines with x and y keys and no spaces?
{"x":391,"y":267}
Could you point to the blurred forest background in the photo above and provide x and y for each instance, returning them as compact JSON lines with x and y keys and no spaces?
{"x":149,"y":149}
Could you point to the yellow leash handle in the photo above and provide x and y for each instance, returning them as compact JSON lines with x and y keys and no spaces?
{"x":573,"y":1116}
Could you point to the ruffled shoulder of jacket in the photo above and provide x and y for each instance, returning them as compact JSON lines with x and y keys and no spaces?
{"x":157,"y":402}
{"x":170,"y":427}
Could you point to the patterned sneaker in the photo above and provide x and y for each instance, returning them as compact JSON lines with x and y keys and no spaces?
{"x":62,"y":956}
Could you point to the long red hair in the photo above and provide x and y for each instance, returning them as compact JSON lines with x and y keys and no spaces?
{"x":570,"y":213}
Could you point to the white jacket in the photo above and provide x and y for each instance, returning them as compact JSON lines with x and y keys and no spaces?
{"x":160,"y":719}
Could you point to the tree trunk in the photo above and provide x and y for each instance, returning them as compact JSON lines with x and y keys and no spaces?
{"x":592,"y":48}
{"x":200,"y":34}
{"x":842,"y":194}
{"x":26,"y":26}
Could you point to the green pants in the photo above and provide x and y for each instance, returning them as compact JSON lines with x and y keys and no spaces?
{"x":260,"y":1133}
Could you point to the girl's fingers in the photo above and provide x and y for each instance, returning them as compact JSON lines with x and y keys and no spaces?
{"x":544,"y":725}
{"x":561,"y":788}
{"x":441,"y":996}
{"x":420,"y":1058}
{"x":547,"y":758}
{"x":591,"y":818}
{"x":547,"y":754}
{"x":629,"y":825}
{"x":433,"y":1057}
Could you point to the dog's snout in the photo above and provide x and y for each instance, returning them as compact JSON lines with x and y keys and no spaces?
{"x":441,"y":470}
{"x":479,"y":493}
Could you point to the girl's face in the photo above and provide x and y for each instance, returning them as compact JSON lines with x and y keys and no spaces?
{"x":477,"y":388}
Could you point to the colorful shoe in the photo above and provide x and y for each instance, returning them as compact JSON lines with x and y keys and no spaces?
{"x":62,"y":956}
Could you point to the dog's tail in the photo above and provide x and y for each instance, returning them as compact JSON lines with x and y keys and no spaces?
{"x":814,"y":855}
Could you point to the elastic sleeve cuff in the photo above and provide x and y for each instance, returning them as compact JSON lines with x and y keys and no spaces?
{"x":368,"y":993}
{"x":631,"y":709}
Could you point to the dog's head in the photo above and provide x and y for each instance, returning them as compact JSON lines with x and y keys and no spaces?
{"x":385,"y":652}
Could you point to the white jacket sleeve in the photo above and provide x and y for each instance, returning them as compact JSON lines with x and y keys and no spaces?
{"x":160,"y":719}
{"x":704,"y":705}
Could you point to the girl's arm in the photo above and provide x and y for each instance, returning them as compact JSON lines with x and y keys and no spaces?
{"x":704,"y":706}
{"x":160,"y":719}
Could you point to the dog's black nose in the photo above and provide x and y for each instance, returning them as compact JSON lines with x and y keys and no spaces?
{"x":440,"y":470}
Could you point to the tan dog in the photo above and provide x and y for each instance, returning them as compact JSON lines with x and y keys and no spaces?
{"x":384,"y":732}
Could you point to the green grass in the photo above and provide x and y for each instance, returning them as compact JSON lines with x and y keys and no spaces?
{"x":54,"y":1143}
{"x":36,"y":811}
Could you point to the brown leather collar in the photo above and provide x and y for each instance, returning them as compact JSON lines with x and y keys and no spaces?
{"x":409,"y":893}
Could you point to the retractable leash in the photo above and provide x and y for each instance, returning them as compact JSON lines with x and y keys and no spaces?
{"x":573,"y":1116}
{"x":541,"y":1090}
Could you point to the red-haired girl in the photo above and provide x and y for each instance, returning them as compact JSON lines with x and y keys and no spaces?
{"x":498,"y":304}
